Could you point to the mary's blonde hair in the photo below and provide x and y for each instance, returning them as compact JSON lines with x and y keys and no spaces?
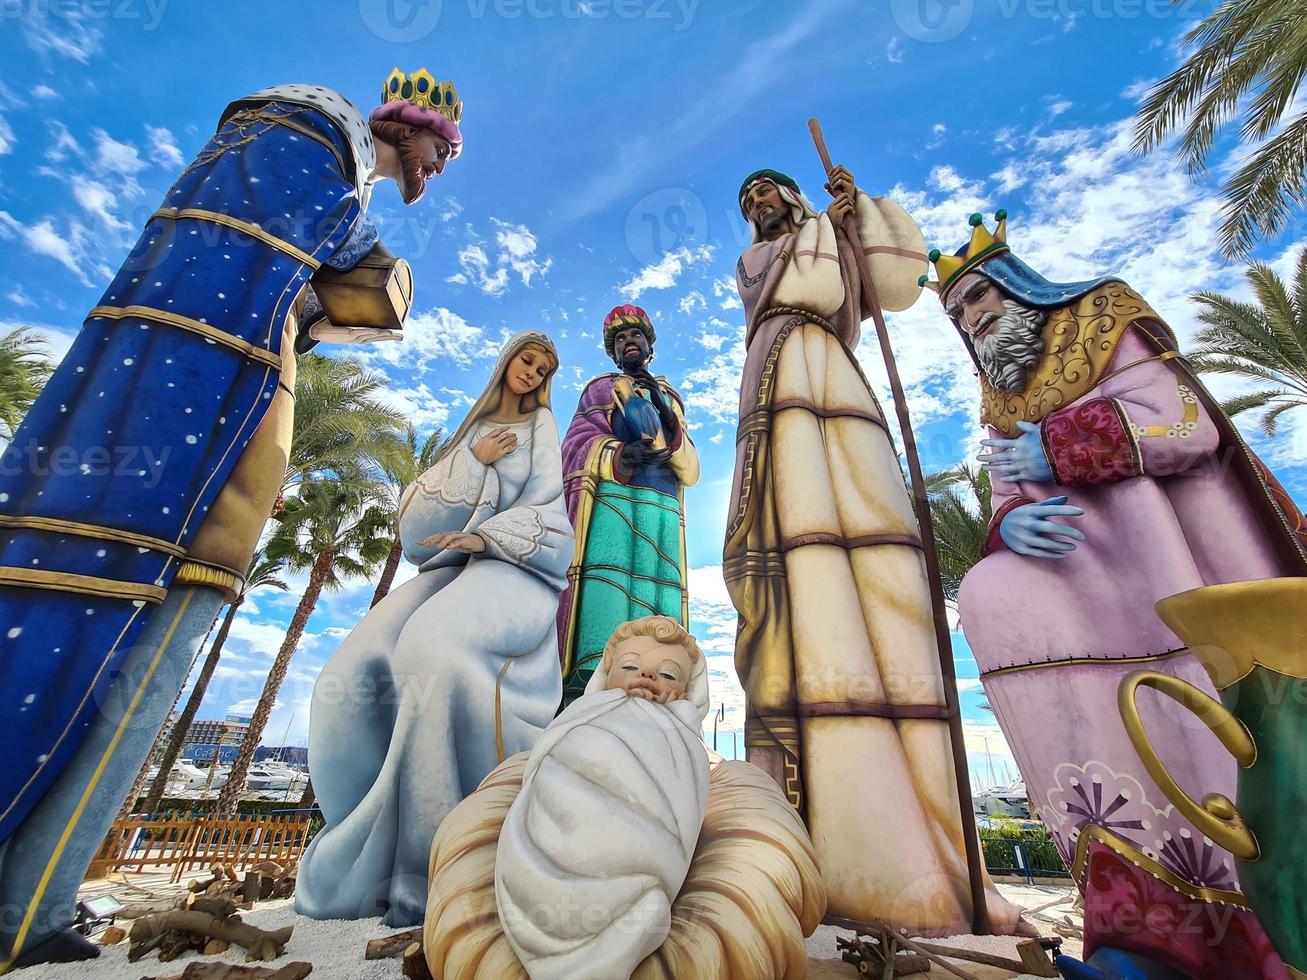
{"x":664,"y":629}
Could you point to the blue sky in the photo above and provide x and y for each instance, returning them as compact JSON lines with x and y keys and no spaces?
{"x":605,"y":142}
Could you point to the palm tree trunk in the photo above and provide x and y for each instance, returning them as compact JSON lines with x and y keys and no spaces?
{"x":388,"y":571}
{"x":179,"y":730}
{"x":235,"y":785}
{"x":309,"y":797}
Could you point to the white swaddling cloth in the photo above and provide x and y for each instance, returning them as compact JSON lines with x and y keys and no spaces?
{"x":599,"y":841}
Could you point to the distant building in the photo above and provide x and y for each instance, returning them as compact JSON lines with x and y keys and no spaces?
{"x":211,"y":732}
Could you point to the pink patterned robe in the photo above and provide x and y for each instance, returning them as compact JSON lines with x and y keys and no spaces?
{"x":1172,"y":503}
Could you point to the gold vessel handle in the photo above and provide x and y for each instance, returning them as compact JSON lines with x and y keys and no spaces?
{"x":1216,"y":816}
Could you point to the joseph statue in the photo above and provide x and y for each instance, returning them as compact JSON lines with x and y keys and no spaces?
{"x":824,"y":563}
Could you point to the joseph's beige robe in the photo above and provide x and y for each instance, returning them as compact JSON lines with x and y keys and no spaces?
{"x":836,"y":648}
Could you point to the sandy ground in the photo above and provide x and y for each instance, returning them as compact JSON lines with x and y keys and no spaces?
{"x":335,"y":948}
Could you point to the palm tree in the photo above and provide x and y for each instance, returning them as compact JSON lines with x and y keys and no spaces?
{"x":1249,"y":60}
{"x":340,"y":427}
{"x":336,"y":529}
{"x":961,"y":522}
{"x":24,"y":369}
{"x":263,"y":572}
{"x":1264,"y":341}
{"x":960,"y":531}
{"x":403,"y":463}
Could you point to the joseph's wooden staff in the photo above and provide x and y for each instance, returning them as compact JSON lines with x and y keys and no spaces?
{"x":975,"y":868}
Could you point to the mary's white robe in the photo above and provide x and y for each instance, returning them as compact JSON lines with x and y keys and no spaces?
{"x":443,"y":679}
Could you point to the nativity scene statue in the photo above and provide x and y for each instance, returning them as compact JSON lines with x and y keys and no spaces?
{"x":621,"y":847}
{"x":1118,"y":482}
{"x":849,"y":706}
{"x":133,"y":495}
{"x":628,"y":459}
{"x":457,"y":669}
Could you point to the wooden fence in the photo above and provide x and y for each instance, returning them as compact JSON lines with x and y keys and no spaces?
{"x":186,"y":841}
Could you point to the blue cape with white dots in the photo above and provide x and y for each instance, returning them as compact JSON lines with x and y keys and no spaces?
{"x":110,"y":476}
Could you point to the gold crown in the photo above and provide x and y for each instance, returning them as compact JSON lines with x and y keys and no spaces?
{"x":982,"y":247}
{"x":422,"y":89}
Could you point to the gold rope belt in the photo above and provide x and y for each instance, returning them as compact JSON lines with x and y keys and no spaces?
{"x":808,"y":315}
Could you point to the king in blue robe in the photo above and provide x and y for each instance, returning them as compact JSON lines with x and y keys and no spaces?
{"x":133,"y":494}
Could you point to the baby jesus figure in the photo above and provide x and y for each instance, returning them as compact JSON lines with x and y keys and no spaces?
{"x":599,"y":840}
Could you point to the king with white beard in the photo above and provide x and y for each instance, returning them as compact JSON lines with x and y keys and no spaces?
{"x":599,"y":841}
{"x":1117,"y":481}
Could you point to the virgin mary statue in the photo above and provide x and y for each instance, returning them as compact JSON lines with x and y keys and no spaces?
{"x":457,"y":669}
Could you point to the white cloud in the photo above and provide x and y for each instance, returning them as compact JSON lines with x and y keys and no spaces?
{"x":64,"y":35}
{"x":19,"y":298}
{"x":894,"y":51}
{"x":1059,"y":107}
{"x":419,"y":405}
{"x":163,"y":147}
{"x":712,"y":620}
{"x":723,"y":288}
{"x":43,"y":92}
{"x":694,"y":300}
{"x":7,"y":139}
{"x":517,"y":249}
{"x":43,"y":239}
{"x":64,"y":145}
{"x":451,"y":210}
{"x":1010,"y":178}
{"x":516,"y":254}
{"x":438,"y":333}
{"x":667,"y":271}
{"x":713,"y":389}
{"x":99,"y":201}
{"x":118,"y":158}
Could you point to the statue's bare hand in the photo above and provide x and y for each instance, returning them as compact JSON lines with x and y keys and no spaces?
{"x":1018,"y":460}
{"x":840,"y":181}
{"x":469,"y":544}
{"x":1031,"y":531}
{"x":494,"y":445}
{"x":840,"y":208}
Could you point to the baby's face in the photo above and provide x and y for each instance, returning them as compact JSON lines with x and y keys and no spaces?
{"x":645,"y":668}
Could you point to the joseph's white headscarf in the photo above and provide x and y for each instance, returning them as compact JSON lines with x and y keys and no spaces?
{"x":599,"y":841}
{"x":801,"y":208}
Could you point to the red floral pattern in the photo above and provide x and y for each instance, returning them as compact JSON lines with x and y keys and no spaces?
{"x":1090,"y":443}
{"x":1127,"y":908}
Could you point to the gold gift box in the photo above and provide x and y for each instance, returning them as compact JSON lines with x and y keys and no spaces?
{"x":378,"y":292}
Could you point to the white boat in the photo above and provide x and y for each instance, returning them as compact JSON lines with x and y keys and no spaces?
{"x":274,"y":777}
{"x":1003,"y":801}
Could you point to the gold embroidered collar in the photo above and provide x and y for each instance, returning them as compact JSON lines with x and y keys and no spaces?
{"x":1080,"y":340}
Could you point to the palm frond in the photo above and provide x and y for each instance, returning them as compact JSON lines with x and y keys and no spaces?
{"x":1260,"y":198}
{"x":1271,"y":420}
{"x":1248,"y":402}
{"x":25,"y":367}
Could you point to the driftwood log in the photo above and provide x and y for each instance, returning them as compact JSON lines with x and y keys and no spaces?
{"x":176,"y":931}
{"x":394,"y":945}
{"x":415,"y":963}
{"x":877,"y":956}
{"x":875,"y":952}
{"x":229,"y":971}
